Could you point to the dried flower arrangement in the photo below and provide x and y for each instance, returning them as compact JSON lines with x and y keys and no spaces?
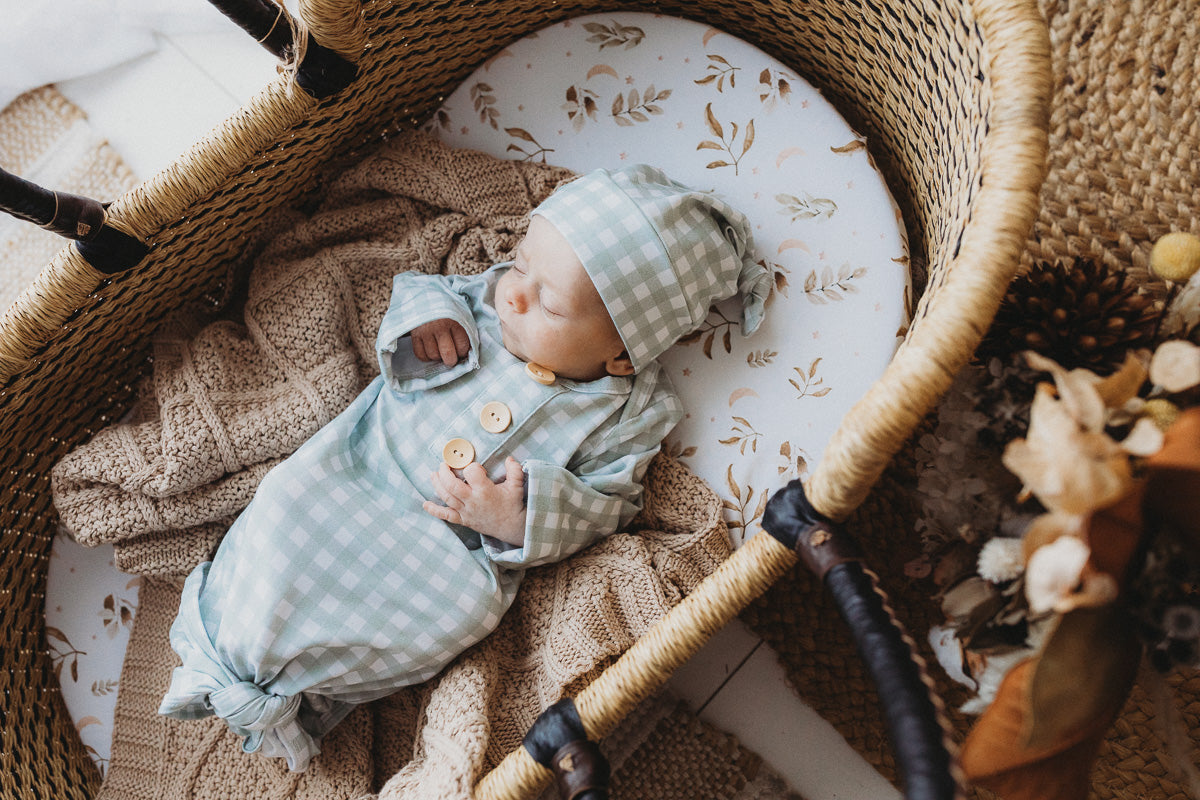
{"x":1061,"y":518}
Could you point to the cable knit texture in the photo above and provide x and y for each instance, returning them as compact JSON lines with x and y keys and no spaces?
{"x":229,"y":398}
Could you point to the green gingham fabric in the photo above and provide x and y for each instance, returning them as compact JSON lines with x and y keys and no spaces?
{"x":659,"y":253}
{"x":335,"y":587}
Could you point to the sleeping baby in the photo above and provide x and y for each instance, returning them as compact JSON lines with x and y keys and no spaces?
{"x":514,"y":419}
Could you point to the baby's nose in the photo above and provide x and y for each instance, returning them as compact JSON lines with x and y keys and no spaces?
{"x":518,"y":300}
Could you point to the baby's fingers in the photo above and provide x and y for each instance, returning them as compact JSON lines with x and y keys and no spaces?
{"x":447,"y":348}
{"x":448,"y":487}
{"x":442,"y":513}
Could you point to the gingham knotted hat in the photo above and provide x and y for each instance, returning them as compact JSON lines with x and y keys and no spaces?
{"x":660,"y":254}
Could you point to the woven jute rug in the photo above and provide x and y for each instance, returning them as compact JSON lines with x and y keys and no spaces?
{"x":1124,"y":170}
{"x":46,"y":139}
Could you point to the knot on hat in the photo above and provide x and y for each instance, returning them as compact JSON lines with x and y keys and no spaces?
{"x":659,"y":253}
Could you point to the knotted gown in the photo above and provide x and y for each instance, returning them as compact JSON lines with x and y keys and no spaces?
{"x":334,"y":587}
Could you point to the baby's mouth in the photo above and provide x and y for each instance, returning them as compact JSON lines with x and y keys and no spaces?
{"x":509,"y":337}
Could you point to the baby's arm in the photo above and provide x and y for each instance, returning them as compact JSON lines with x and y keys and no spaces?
{"x":494,"y":509}
{"x":442,"y":339}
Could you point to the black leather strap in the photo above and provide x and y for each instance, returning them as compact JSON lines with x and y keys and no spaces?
{"x":79,"y":218}
{"x":558,"y":742}
{"x":913,"y":717}
{"x":323,"y":72}
{"x":791,"y":519}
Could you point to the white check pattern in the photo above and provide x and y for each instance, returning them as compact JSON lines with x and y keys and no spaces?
{"x":335,"y":587}
{"x":659,"y":253}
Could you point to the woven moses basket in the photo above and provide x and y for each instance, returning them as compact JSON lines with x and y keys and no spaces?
{"x":954,"y":98}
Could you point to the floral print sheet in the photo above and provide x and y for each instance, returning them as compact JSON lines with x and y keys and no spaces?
{"x":715,"y":113}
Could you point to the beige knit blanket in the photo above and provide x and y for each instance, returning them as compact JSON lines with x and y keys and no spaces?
{"x":229,"y":398}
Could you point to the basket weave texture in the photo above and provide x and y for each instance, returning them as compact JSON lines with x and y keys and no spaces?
{"x":953,"y":98}
{"x":1123,"y":171}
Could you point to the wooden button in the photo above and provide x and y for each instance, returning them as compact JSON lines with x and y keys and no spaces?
{"x":458,"y":453}
{"x":495,"y":417}
{"x":539,"y":373}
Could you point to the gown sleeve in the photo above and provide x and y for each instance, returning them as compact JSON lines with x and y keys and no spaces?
{"x":416,"y":299}
{"x":600,"y":491}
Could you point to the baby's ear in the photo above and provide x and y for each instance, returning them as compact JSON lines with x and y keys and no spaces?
{"x":619,"y":364}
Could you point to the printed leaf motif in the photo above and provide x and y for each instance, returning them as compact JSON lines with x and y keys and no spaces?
{"x":116,"y":614}
{"x":761,"y":358}
{"x":708,"y":332}
{"x":677,"y":450}
{"x":105,"y":687}
{"x":780,"y":273}
{"x":833,"y":287}
{"x":440,"y":121}
{"x":774,"y":86}
{"x":739,"y":518}
{"x":615,"y":35}
{"x":63,"y":652}
{"x":718,"y":130}
{"x":638,"y":106}
{"x":718,"y":70}
{"x":795,"y":461}
{"x":808,"y":383}
{"x":536,"y":151}
{"x":858,"y":143}
{"x":807,"y":207}
{"x":743,"y":434}
{"x":484,"y":100}
{"x":580,"y":106}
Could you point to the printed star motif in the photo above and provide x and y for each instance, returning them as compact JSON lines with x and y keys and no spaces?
{"x":679,"y":125}
{"x":629,"y":80}
{"x":849,"y":184}
{"x":687,"y":373}
{"x":754,"y":171}
{"x":623,"y":156}
{"x":804,"y":104}
{"x":816,"y":334}
{"x":879,"y":306}
{"x":464,"y":130}
{"x":821,"y":255}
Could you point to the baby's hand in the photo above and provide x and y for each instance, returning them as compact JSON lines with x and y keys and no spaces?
{"x":441,"y":339}
{"x":496,"y":509}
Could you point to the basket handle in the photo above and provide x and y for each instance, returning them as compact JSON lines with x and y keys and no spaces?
{"x":557,"y":741}
{"x":81,"y":219}
{"x":321,"y":71}
{"x":914,"y":714}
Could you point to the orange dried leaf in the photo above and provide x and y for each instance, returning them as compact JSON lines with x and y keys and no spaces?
{"x":1082,"y":676}
{"x":996,"y":757}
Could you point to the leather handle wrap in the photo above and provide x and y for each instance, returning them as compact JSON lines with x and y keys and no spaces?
{"x":913,"y":712}
{"x":558,"y":742}
{"x":321,"y":72}
{"x":81,"y":219}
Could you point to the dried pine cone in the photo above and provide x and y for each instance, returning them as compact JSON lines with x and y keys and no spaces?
{"x":1084,"y":315}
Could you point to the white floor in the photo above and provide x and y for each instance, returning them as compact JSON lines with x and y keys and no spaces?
{"x":155,"y":107}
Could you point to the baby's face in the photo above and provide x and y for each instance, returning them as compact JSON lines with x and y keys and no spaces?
{"x":552,"y":315}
